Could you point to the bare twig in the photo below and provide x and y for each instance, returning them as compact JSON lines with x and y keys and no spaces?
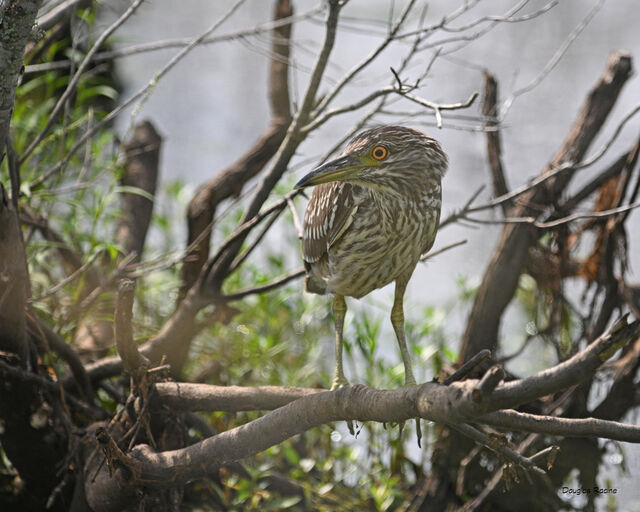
{"x":557,"y":222}
{"x":142,"y":93}
{"x":271,"y":285}
{"x":175,"y":43}
{"x":554,"y":59}
{"x":365,"y":62}
{"x":494,"y":144}
{"x":74,"y":275}
{"x":439,"y":251}
{"x":438,"y":107}
{"x":569,"y":427}
{"x":247,"y":252}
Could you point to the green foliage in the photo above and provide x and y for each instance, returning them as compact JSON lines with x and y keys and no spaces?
{"x":284,"y":337}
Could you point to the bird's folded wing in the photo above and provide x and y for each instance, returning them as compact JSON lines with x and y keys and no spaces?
{"x":329,"y":214}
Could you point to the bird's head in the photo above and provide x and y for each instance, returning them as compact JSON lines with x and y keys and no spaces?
{"x":383,"y":157}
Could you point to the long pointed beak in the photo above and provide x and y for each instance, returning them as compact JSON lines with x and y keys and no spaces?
{"x":340,"y":169}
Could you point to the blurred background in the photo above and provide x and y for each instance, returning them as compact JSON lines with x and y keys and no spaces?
{"x":213,"y":105}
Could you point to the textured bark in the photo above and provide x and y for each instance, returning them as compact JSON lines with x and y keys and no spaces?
{"x":17,"y":18}
{"x":30,"y":436}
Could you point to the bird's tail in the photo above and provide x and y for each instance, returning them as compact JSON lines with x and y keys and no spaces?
{"x":314,"y":283}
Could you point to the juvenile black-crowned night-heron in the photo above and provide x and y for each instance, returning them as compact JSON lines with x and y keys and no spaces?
{"x":374,"y":211}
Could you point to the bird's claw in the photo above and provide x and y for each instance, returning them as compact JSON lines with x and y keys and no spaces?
{"x":411,"y":381}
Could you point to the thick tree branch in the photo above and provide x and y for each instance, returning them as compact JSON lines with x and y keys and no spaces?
{"x":299,"y":410}
{"x":566,"y":427}
{"x":186,"y":396}
{"x":15,"y":287}
{"x":453,"y":404}
{"x":139,"y":182}
{"x":15,"y":29}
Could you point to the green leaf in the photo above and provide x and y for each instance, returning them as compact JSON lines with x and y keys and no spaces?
{"x":126,"y":189}
{"x":282,"y":503}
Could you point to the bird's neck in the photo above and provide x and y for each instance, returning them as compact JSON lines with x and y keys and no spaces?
{"x":384,"y":203}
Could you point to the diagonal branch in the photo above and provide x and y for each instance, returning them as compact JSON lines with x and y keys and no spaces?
{"x":231,"y":181}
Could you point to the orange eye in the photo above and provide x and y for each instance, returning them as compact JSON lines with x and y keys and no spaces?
{"x":379,"y":153}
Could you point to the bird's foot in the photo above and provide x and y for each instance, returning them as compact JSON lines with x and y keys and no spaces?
{"x":340,"y":381}
{"x":409,"y":380}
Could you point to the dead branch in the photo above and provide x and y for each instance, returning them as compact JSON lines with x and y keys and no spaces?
{"x":453,"y":404}
{"x":139,"y":180}
{"x":132,"y":360}
{"x":501,"y":278}
{"x":292,"y":140}
{"x":231,"y":181}
{"x":494,"y":145}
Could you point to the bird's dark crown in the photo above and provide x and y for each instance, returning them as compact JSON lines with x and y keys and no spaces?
{"x":407,"y":151}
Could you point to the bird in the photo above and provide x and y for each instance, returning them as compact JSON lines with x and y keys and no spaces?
{"x":373,"y":212}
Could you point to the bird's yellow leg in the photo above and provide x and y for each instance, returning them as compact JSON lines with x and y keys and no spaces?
{"x":397,"y":320}
{"x":339,"y":311}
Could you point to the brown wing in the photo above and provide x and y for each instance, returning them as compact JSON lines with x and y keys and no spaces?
{"x":329,"y":213}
